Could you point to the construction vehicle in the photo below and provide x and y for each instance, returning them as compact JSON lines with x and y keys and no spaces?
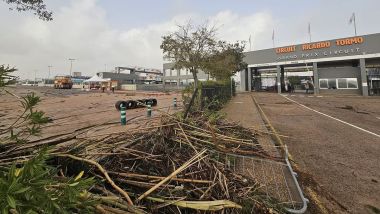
{"x":63,"y":82}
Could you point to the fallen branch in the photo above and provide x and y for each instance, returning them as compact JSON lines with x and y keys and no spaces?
{"x":200,"y":205}
{"x":101,"y":169}
{"x":180,"y":169}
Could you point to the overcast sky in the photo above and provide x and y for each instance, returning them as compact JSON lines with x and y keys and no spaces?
{"x":128,"y":32}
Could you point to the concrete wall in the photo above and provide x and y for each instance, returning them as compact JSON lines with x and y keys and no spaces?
{"x":129,"y":87}
{"x":150,"y":87}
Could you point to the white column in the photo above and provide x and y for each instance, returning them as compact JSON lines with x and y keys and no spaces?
{"x":363,"y":75}
{"x":249,"y":79}
{"x":316,"y":78}
{"x":278,"y":79}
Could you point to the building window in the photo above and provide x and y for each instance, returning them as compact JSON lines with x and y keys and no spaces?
{"x":352,"y":83}
{"x":183,"y":72}
{"x":347,"y":83}
{"x":174,"y":73}
{"x":167,"y":72}
{"x":332,"y":83}
{"x":323,"y":84}
{"x":340,"y":83}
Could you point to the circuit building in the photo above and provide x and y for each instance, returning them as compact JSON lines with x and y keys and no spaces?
{"x":339,"y":66}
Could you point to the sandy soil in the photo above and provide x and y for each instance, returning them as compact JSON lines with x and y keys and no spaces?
{"x":343,"y":162}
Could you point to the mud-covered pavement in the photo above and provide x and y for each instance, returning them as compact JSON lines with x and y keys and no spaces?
{"x":341,"y":162}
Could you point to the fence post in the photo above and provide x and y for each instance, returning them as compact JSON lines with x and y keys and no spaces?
{"x":175,"y":102}
{"x":123,"y":118}
{"x":149,"y":110}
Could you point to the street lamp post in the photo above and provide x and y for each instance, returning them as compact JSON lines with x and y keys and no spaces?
{"x":71,"y":65}
{"x":50,"y":66}
{"x":35,"y":78}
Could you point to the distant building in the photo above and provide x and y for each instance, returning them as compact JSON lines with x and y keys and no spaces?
{"x":77,"y":74}
{"x":78,"y":80}
{"x":133,"y":75}
{"x":181,"y":77}
{"x":340,"y":66}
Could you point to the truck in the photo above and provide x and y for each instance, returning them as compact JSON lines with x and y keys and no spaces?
{"x":63,"y":82}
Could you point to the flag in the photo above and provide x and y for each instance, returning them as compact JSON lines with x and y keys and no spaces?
{"x":352,"y":19}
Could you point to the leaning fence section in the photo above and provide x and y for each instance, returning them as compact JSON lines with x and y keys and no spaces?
{"x":276,"y":178}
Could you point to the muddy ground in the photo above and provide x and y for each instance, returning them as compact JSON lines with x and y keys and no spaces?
{"x":73,"y":110}
{"x":341,"y":163}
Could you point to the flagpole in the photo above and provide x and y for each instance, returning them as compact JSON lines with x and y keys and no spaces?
{"x":253,"y":41}
{"x":309,"y":33}
{"x":250,"y":45}
{"x":273,"y":39}
{"x":355,"y":23}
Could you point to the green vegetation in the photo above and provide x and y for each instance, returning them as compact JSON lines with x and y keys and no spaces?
{"x":226,"y":61}
{"x":211,"y":95}
{"x":196,"y":49}
{"x":37,"y":6}
{"x":34,"y":187}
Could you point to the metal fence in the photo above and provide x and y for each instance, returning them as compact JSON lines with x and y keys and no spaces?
{"x":276,"y":178}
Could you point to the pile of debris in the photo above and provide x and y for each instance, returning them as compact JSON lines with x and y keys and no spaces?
{"x":165,"y":165}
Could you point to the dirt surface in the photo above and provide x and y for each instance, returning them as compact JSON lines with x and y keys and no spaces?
{"x":343,"y":162}
{"x":73,"y":110}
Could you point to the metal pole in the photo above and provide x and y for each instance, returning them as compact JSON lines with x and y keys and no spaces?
{"x":309,"y":30}
{"x":355,"y":24}
{"x":250,"y":43}
{"x":35,"y":77}
{"x":49,"y":72}
{"x":71,"y":65}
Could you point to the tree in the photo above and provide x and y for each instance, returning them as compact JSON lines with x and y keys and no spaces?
{"x":6,"y":76}
{"x":38,"y":6}
{"x":190,"y":47}
{"x":226,"y":61}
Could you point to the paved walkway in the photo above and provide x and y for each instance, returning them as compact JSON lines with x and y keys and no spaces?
{"x":243,"y":111}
